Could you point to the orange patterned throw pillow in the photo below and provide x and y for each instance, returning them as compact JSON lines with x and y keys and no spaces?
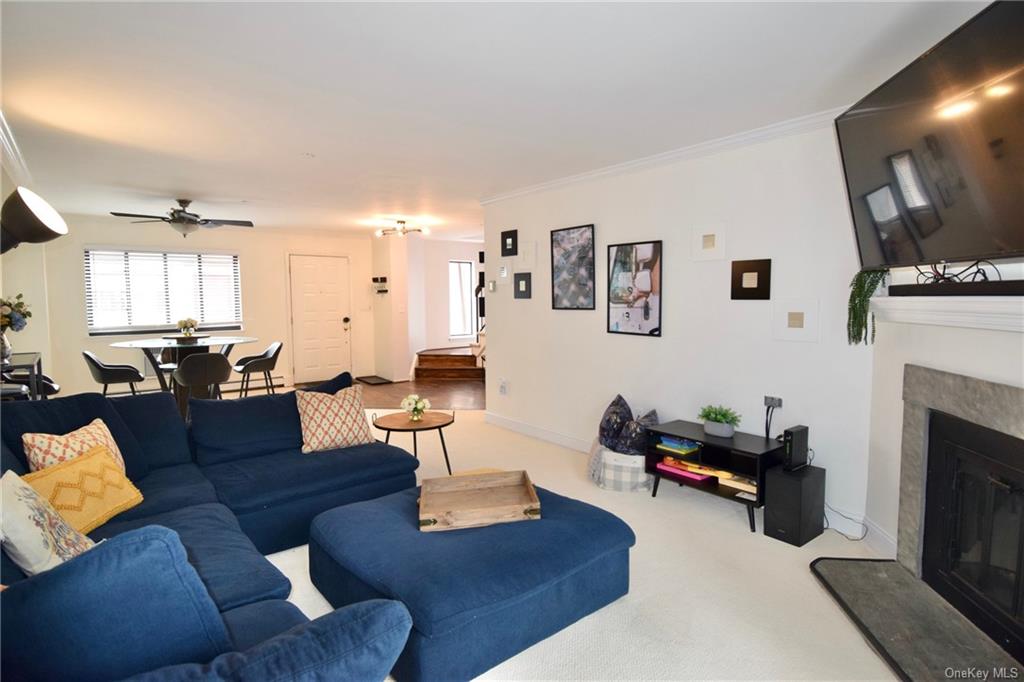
{"x":333,"y":421}
{"x":46,"y":449}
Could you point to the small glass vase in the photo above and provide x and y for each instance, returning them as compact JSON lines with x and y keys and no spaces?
{"x":5,"y":347}
{"x":416,"y":415}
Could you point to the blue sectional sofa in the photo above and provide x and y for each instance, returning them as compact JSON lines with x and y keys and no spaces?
{"x":230,"y":487}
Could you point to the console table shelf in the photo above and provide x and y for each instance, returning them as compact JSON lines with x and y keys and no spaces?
{"x":744,"y":455}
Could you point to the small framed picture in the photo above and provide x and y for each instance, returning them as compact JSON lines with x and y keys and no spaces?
{"x":634,"y":288}
{"x":522,"y":285}
{"x":509,"y":243}
{"x":752,"y":280}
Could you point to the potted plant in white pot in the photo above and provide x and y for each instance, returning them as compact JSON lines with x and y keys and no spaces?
{"x":719,"y":420}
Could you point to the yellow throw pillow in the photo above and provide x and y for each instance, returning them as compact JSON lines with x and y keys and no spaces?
{"x":86,"y":491}
{"x":43,"y":450}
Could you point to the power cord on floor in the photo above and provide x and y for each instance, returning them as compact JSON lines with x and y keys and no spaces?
{"x":810,"y":458}
{"x":851,"y":538}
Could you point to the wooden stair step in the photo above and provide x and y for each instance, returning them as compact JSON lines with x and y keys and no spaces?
{"x":449,"y":372}
{"x":426,"y":360}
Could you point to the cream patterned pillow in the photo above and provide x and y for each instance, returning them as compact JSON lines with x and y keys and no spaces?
{"x":34,"y":535}
{"x":46,"y":449}
{"x":333,"y":421}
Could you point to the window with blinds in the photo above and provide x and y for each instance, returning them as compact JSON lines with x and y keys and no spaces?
{"x":128,"y":291}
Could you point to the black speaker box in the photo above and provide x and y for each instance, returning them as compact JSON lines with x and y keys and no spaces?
{"x":794,"y":504}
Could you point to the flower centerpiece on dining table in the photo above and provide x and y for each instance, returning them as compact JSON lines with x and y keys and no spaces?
{"x":14,"y":314}
{"x":188,"y":326}
{"x":415,"y":406}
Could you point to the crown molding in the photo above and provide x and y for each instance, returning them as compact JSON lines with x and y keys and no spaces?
{"x":772,"y":131}
{"x":13,"y":161}
{"x":997,"y":313}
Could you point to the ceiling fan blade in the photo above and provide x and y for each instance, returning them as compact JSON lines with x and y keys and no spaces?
{"x":136,"y":222}
{"x":211,"y":222}
{"x":137,"y":215}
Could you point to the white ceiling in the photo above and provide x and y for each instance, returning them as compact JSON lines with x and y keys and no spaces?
{"x":327,"y":115}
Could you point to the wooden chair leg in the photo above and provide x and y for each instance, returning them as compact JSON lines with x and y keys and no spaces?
{"x":244,"y":390}
{"x":104,"y":389}
{"x":268,"y":382}
{"x":131,"y":385}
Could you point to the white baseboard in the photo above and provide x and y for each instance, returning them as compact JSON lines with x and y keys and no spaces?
{"x":880,"y":541}
{"x":565,"y":441}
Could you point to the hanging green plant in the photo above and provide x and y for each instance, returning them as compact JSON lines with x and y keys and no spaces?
{"x":859,"y":314}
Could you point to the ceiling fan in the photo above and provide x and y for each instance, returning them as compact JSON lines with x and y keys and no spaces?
{"x":183,"y":220}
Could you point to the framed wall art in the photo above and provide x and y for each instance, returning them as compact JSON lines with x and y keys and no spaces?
{"x":572,"y":268}
{"x":634,"y":288}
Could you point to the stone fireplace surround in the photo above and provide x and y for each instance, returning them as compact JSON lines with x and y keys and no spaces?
{"x":995,"y":406}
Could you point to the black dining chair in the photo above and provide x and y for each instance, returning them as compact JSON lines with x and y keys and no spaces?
{"x":263,"y":363}
{"x":203,"y":369}
{"x":46,"y":385}
{"x":106,"y":374}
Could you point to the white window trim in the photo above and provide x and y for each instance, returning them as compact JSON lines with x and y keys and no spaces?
{"x":135,"y":330}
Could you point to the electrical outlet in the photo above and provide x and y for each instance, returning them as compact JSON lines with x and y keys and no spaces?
{"x":503,"y":387}
{"x":772,"y":401}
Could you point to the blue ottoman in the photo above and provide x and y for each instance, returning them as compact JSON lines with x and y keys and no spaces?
{"x":479,"y":595}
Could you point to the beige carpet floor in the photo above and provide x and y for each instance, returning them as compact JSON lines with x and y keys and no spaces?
{"x":708,"y":599}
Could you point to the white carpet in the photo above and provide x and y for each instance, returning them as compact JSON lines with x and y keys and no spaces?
{"x":708,"y":599}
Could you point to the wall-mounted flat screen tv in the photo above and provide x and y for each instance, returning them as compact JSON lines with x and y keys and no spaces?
{"x":934,"y":158}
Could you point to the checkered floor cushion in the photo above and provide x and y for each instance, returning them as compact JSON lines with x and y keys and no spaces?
{"x":616,"y":471}
{"x":333,"y":421}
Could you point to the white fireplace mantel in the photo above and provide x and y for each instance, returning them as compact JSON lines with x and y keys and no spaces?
{"x":998,"y":313}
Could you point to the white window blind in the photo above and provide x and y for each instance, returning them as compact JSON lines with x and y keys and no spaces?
{"x":129,"y":291}
{"x":460,"y":298}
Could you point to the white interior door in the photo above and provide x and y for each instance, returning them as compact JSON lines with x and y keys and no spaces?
{"x":321,"y":311}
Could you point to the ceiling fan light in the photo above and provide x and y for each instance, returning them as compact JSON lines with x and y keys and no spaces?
{"x":185,"y":228}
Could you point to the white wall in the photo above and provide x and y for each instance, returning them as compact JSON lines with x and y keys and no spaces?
{"x":781,"y":199}
{"x":437,"y":255}
{"x":991,"y":355}
{"x":264,"y":276}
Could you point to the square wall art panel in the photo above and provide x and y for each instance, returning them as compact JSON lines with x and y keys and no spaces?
{"x":572,"y":268}
{"x":752,"y":280}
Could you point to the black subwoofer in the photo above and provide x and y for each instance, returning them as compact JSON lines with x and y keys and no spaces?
{"x":794,"y":504}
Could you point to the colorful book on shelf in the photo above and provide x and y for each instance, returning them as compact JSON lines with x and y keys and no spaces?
{"x":691,"y":468}
{"x":676,"y":471}
{"x":675,"y":451}
{"x":739,"y":483}
{"x":679,"y":443}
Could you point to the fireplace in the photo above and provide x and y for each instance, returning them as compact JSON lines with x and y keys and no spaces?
{"x":973,"y":551}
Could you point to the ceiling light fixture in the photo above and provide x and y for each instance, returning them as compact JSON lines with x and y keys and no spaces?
{"x":999,"y":90}
{"x":958,"y":108}
{"x":400,"y":230}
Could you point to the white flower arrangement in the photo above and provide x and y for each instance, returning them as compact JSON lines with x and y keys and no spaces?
{"x":415,"y":406}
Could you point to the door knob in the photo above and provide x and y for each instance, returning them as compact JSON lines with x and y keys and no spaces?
{"x":346,"y":319}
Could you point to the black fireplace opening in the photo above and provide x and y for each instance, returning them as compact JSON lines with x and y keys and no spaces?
{"x":974,"y":526}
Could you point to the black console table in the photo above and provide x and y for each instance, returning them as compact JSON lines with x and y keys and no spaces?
{"x":744,"y":454}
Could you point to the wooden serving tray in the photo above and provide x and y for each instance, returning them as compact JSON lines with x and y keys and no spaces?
{"x":478,"y":500}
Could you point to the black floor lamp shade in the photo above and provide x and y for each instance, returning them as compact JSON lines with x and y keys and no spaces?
{"x":26,"y":217}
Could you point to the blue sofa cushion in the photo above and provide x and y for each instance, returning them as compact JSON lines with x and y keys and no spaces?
{"x":359,"y":642}
{"x":63,"y":415}
{"x":229,"y":430}
{"x":155,"y":421}
{"x":271,"y":479}
{"x":126,"y":606}
{"x":8,"y":460}
{"x":255,"y":623}
{"x":234,"y":572}
{"x":462,"y":575}
{"x":170,"y":488}
{"x":332,"y":386}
